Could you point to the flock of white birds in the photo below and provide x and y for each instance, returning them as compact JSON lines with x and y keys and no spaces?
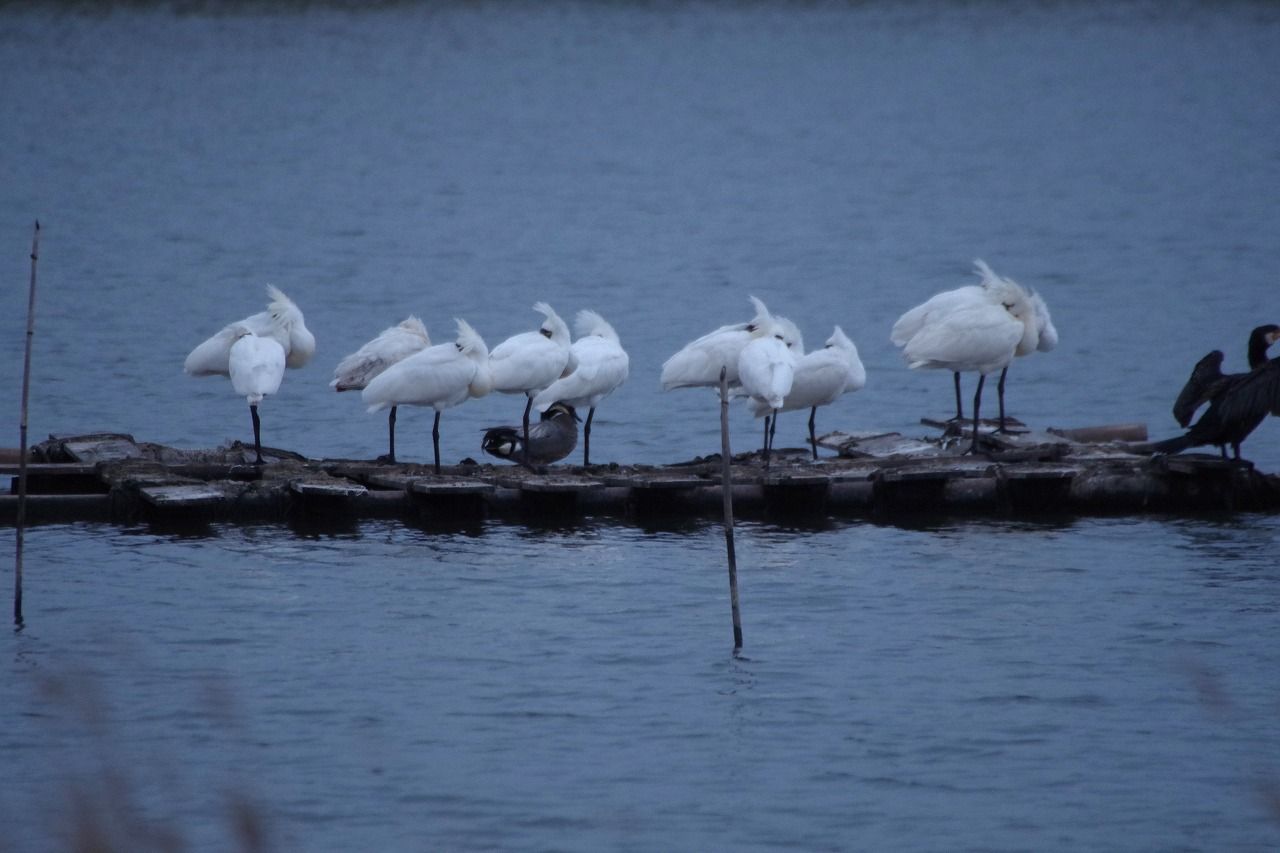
{"x":978,"y":328}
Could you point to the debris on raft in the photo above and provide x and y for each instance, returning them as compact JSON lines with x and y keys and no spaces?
{"x":880,"y":475}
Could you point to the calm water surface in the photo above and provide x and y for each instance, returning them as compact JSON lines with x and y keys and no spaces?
{"x":1094,"y":684}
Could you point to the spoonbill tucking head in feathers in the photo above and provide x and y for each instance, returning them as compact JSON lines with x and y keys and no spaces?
{"x":766,"y":371}
{"x":820,"y":378}
{"x":241,"y":352}
{"x":441,"y":377}
{"x":599,"y":366}
{"x":530,"y":361}
{"x":392,"y":345}
{"x":699,"y":362}
{"x":973,"y":329}
{"x":1044,"y":339}
{"x":282,"y":320}
{"x":256,"y":365}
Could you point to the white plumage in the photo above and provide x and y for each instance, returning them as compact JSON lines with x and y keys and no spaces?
{"x":282,"y":321}
{"x":766,"y":370}
{"x":392,"y":345}
{"x":599,"y":366}
{"x":1046,"y":338}
{"x":530,"y":361}
{"x":255,"y":365}
{"x":972,"y":329}
{"x":698,"y":363}
{"x":1045,"y":330}
{"x":254,"y":352}
{"x":820,"y":377}
{"x":441,"y":377}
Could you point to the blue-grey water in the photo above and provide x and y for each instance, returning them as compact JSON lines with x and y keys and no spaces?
{"x":917,"y":685}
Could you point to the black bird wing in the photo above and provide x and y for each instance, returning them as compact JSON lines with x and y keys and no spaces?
{"x":1239,"y":408}
{"x":1205,"y":380}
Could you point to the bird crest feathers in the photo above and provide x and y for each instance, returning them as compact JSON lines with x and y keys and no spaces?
{"x":588,"y":323}
{"x":281,"y":307}
{"x":469,"y":340}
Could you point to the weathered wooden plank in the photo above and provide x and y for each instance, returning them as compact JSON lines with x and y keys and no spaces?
{"x":433,"y":486}
{"x":1038,"y":472}
{"x":985,"y":425}
{"x":798,"y":479}
{"x":51,"y":469}
{"x":559,"y":485}
{"x":890,"y":445}
{"x":326,"y":489}
{"x":661,"y":482}
{"x":107,"y":449}
{"x":951,"y":469}
{"x":181,"y":495}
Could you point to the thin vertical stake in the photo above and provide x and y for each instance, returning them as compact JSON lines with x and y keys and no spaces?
{"x":726,"y":486}
{"x":22,"y":431}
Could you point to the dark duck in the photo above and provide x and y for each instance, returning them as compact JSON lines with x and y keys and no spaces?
{"x":551,"y":439}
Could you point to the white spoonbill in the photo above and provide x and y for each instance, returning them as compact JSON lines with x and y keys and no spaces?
{"x":600,"y":365}
{"x":766,"y":371}
{"x":394,"y":344}
{"x":256,"y":365}
{"x":981,"y":332}
{"x":1046,"y":339}
{"x":282,"y":320}
{"x":530,"y":361}
{"x":821,"y":377}
{"x":698,"y":363}
{"x":441,"y":376}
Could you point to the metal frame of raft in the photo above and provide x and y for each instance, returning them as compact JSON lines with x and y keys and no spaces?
{"x":886,"y":477}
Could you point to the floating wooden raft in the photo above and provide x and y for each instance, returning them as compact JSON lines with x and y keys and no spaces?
{"x":881,"y":475}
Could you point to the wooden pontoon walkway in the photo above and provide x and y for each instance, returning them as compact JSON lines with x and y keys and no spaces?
{"x":113,"y":478}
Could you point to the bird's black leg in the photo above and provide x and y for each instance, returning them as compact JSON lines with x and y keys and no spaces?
{"x":1222,"y":448}
{"x":813,"y":440}
{"x":1000,"y":394}
{"x":1235,"y":450}
{"x":959,"y":406}
{"x":773,"y":428}
{"x":435,"y":440}
{"x":977,"y":403}
{"x":764,"y":445}
{"x":257,"y":434}
{"x":586,"y":438}
{"x":525,"y":449}
{"x":391,"y":430}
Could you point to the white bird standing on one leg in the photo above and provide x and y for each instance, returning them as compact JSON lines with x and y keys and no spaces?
{"x":530,"y":361}
{"x":766,"y":370}
{"x":820,"y":378}
{"x":256,"y":366}
{"x":239,"y":351}
{"x":981,"y":333}
{"x":393,"y":345}
{"x":282,"y":320}
{"x":441,"y":376}
{"x":600,"y":365}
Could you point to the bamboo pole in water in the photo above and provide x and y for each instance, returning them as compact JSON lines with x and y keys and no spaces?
{"x":726,"y":486}
{"x":22,"y":433}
